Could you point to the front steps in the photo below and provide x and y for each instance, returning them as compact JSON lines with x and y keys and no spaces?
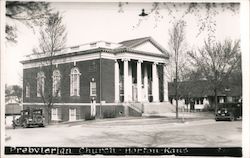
{"x":151,"y":108}
{"x":158,"y":108}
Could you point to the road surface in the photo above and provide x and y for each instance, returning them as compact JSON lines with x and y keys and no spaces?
{"x":137,"y":132}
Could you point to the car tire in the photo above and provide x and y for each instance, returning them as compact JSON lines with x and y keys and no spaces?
{"x":231,"y":118}
{"x":25,"y":125}
{"x":17,"y":122}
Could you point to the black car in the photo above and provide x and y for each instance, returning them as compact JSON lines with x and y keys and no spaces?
{"x":228,"y":111}
{"x":30,"y":117}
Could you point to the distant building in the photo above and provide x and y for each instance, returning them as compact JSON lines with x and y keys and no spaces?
{"x":12,"y":106}
{"x":117,"y":78}
{"x":12,"y":109}
{"x":200,"y":93}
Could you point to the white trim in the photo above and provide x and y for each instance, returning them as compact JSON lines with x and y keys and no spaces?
{"x":93,"y":56}
{"x":135,"y":56}
{"x":76,"y":58}
{"x":73,"y":104}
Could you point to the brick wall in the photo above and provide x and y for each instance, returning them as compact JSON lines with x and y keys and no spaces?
{"x":108,"y":83}
{"x":88,"y":69}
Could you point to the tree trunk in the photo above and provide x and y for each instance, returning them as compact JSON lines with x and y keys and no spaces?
{"x":176,"y":98}
{"x":216,"y":100}
{"x":49,"y":114}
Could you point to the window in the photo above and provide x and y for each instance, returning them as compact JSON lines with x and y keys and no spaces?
{"x":27,"y":90}
{"x":74,"y":82}
{"x":93,"y":88}
{"x":56,"y":83}
{"x":56,"y":114}
{"x":40,"y":83}
{"x":72,"y":114}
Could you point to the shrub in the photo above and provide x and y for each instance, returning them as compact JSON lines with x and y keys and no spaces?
{"x":108,"y":114}
{"x":89,"y":117}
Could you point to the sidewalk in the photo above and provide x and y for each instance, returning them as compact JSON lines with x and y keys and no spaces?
{"x":144,"y":120}
{"x":193,"y":115}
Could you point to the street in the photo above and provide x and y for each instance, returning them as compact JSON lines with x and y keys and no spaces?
{"x":132,"y":132}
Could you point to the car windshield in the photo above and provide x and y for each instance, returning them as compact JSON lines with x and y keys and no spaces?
{"x":37,"y":112}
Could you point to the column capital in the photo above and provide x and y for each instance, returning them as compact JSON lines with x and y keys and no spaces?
{"x":125,"y":59}
{"x":139,"y":61}
{"x":165,"y":64}
{"x":155,"y":63}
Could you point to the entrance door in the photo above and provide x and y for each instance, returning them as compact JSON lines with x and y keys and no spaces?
{"x":72,"y":114}
{"x":134,"y":91}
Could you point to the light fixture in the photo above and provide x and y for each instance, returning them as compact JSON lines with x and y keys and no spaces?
{"x":143,"y":13}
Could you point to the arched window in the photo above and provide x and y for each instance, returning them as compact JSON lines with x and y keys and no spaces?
{"x":40,"y":83}
{"x":56,"y":83}
{"x":75,"y":82}
{"x":27,"y":90}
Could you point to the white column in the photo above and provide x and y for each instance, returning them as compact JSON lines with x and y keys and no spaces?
{"x":146,"y":83}
{"x":165,"y":83}
{"x":125,"y":78}
{"x":155,"y":83}
{"x":117,"y":94}
{"x":139,"y":84}
{"x":130,"y":82}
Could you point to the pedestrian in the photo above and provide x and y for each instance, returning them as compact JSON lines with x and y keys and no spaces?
{"x":191,"y":105}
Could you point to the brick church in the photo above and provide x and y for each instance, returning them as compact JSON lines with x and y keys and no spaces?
{"x":100,"y":79}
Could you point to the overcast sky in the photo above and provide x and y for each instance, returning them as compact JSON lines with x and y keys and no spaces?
{"x":88,"y":22}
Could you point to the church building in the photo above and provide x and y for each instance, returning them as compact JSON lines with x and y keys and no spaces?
{"x":99,"y":79}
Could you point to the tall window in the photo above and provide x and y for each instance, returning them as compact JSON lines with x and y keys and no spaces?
{"x":40,"y":83}
{"x":56,"y":83}
{"x":92,"y":88}
{"x":75,"y":82}
{"x":27,"y":90}
{"x":56,"y":114}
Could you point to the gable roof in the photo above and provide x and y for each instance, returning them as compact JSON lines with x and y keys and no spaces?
{"x":102,"y":46}
{"x":134,"y":42}
{"x":138,"y":41}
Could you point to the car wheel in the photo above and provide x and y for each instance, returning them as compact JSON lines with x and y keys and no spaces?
{"x":25,"y":125}
{"x":17,"y":122}
{"x":231,"y":118}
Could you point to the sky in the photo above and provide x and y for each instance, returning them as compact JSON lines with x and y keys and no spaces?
{"x":89,"y":22}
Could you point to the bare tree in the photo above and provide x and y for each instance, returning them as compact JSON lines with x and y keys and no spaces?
{"x":52,"y":40}
{"x":217,"y":62}
{"x":176,"y":45}
{"x":27,"y":13}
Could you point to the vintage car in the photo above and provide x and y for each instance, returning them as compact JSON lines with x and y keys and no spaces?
{"x":30,"y":117}
{"x":228,"y":111}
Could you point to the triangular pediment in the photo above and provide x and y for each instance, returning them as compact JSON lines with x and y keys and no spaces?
{"x":148,"y":46}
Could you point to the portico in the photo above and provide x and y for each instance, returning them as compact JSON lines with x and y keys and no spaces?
{"x":139,"y":80}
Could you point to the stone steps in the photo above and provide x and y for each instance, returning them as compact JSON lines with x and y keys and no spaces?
{"x":158,"y":108}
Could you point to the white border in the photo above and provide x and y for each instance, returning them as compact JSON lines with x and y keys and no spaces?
{"x":2,"y":72}
{"x":245,"y":64}
{"x":244,"y":28}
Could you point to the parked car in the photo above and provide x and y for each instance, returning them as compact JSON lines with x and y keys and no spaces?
{"x":228,"y":111}
{"x":30,"y":117}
